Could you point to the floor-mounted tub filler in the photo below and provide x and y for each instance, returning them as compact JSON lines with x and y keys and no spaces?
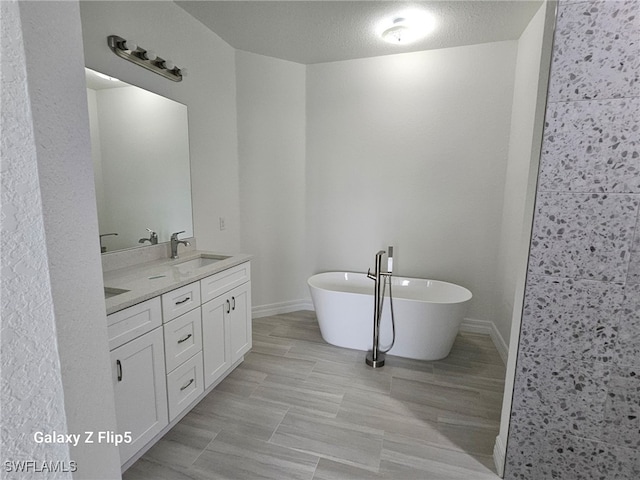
{"x":428,"y":313}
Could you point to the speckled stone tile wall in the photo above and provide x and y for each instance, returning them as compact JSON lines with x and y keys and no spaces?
{"x":576,"y":407}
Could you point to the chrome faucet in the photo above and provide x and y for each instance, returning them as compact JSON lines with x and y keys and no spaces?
{"x":103,"y":249}
{"x":153,"y":238}
{"x":175,"y":242}
{"x":375,"y":358}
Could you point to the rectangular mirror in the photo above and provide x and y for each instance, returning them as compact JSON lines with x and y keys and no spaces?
{"x":140,"y":150}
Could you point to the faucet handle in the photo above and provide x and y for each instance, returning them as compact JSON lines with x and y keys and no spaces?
{"x":175,"y":235}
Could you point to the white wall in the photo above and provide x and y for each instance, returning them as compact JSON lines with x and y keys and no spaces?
{"x":209,"y":91}
{"x":27,"y":319}
{"x":271,"y":145}
{"x":52,"y":37}
{"x":410,"y":150}
{"x":524,"y":154}
{"x":529,"y":103}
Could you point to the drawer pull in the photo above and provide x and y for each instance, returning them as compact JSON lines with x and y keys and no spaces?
{"x":228,"y":306}
{"x":182,"y":301}
{"x":119,"y":370}
{"x":233,"y":299}
{"x":185,"y":386}
{"x":184,"y":339}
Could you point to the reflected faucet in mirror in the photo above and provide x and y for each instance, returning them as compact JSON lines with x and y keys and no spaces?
{"x":103,"y":248}
{"x":153,"y":238}
{"x":175,"y":242}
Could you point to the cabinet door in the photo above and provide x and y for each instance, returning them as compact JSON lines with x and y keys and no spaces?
{"x":140,"y":388}
{"x":240,"y":321}
{"x":215,"y":339}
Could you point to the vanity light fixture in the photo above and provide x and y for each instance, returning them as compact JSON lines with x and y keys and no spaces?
{"x":144,"y":58}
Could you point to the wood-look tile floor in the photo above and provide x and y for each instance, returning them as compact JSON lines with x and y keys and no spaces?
{"x":298,"y":408}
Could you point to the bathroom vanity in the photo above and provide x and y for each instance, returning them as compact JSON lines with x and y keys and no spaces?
{"x":176,"y":329}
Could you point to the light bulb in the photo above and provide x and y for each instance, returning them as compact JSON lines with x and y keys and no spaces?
{"x":169,"y":65}
{"x":151,"y":55}
{"x":184,"y":72}
{"x":130,"y":45}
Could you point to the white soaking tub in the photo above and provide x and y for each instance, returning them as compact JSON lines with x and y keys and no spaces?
{"x":428,"y":313}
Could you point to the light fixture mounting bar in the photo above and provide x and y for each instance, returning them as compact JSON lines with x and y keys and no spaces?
{"x":139,"y":57}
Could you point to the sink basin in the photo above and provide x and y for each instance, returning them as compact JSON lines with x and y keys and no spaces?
{"x":112,"y":292}
{"x":201,"y":261}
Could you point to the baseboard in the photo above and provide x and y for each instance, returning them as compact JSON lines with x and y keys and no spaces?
{"x":486,"y":327}
{"x":281,"y":308}
{"x":499,"y":455}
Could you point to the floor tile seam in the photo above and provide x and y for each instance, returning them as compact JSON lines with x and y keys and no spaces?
{"x":495,"y":381}
{"x":412,"y":406}
{"x":301,"y":356}
{"x":342,"y":461}
{"x":445,"y":465}
{"x":305,"y":386}
{"x":444,"y":383}
{"x":315,"y":469}
{"x":495,"y":426}
{"x":434,"y":445}
{"x":181,"y":470}
{"x":448,"y":361}
{"x":334,"y":422}
{"x":313,"y":342}
{"x":278,"y":426}
{"x":455,"y":361}
{"x":448,"y":475}
{"x":302,"y":409}
{"x":203,"y":450}
{"x":267,"y":403}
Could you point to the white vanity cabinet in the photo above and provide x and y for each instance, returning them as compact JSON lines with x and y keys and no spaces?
{"x":139,"y":379}
{"x":171,"y":350}
{"x":226,"y":320}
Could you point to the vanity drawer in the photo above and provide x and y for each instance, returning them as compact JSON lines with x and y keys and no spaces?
{"x":179,"y":301}
{"x":182,"y":338}
{"x":222,"y":282}
{"x":184,"y":385}
{"x":130,"y":323}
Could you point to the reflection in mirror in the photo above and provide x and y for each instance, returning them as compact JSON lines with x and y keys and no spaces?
{"x":140,"y":150}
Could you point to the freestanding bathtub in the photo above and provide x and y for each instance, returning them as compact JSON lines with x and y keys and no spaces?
{"x":428,"y":313}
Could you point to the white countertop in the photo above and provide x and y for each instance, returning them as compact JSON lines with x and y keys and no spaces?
{"x":148,"y":280}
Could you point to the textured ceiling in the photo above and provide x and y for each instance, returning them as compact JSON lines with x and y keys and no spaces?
{"x":325,"y":31}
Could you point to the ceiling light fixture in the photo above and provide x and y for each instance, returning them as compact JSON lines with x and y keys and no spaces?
{"x":406,"y":27}
{"x":397,"y":33}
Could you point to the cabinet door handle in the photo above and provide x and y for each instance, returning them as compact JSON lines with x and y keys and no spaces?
{"x":182,"y":301}
{"x":228,"y":306}
{"x":184,"y":339}
{"x":233,"y":299}
{"x":119,"y":370}
{"x":185,"y":386}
